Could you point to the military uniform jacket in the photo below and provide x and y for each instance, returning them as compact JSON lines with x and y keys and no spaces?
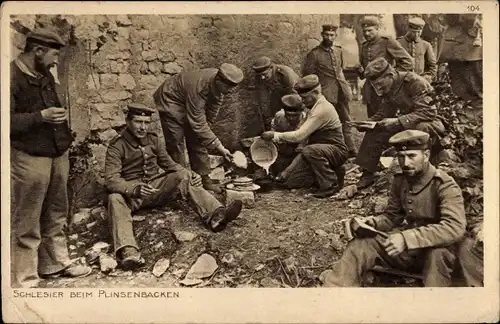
{"x":328,"y":64}
{"x":271,"y":91}
{"x":131,"y":161}
{"x":388,"y":48}
{"x":409,"y":99}
{"x":432,"y":208}
{"x":423,"y":55}
{"x":191,"y":98}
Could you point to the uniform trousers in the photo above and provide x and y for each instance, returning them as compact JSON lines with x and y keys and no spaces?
{"x":315,"y":165}
{"x":471,"y":264}
{"x":376,"y":141}
{"x":467,"y":81}
{"x":39,"y":207}
{"x":371,"y":99}
{"x":171,"y":185}
{"x":362,"y":254}
{"x":174,"y":132}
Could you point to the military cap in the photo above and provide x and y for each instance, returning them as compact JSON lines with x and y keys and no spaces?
{"x":292,"y":102}
{"x":370,"y":21}
{"x":307,"y":83}
{"x":376,"y":68}
{"x":138,"y":109}
{"x":230,"y":73}
{"x":261,"y":64}
{"x":416,"y":23}
{"x":330,"y":27}
{"x":410,"y":139}
{"x":45,"y":37}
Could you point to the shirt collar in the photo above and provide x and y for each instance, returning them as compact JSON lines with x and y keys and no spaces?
{"x":25,"y":69}
{"x":134,"y":141}
{"x":412,"y":41}
{"x":423,"y":180}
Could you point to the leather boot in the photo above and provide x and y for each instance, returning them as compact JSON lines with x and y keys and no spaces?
{"x":366,"y":180}
{"x":219,"y":219}
{"x":351,"y":148}
{"x":209,"y":185}
{"x":340,"y":173}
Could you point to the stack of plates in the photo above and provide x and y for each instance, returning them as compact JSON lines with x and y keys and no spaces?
{"x":243,"y":184}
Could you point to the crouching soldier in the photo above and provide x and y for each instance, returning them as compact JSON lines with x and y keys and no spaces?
{"x":406,"y":104}
{"x":321,"y":161}
{"x":133,"y":178}
{"x":424,"y":221}
{"x":290,"y":118}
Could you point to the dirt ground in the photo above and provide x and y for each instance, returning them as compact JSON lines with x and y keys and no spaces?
{"x":286,"y":240}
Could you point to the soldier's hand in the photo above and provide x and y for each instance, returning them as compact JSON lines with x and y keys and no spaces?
{"x":395,"y":244}
{"x":195,"y":179}
{"x":370,"y":221}
{"x":268,"y":136}
{"x":226,"y":154}
{"x":146,"y":191}
{"x":428,"y":78}
{"x":54,"y":115}
{"x":388,"y":123}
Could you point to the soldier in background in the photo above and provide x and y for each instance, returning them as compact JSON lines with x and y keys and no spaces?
{"x":326,"y":61}
{"x":134,"y":180}
{"x":288,"y":119}
{"x":405,"y":105}
{"x":424,"y":222}
{"x":419,"y":49}
{"x":376,"y":46}
{"x":273,"y":81}
{"x":40,"y":138}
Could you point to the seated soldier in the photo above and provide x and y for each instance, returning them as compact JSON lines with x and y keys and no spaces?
{"x":133,"y":178}
{"x":321,"y":161}
{"x":288,"y":119}
{"x":424,"y":221}
{"x":403,"y":92}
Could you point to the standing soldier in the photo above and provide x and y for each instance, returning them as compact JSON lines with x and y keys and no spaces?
{"x":326,"y":61}
{"x":405,"y":105}
{"x":273,"y":81}
{"x":419,"y":49}
{"x":40,"y":138}
{"x":422,"y":225}
{"x":188,"y":103}
{"x":374,"y":47}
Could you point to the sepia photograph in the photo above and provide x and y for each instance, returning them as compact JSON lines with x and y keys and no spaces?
{"x":247,"y":150}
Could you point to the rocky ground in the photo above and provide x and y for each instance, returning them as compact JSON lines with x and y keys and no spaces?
{"x":286,"y":240}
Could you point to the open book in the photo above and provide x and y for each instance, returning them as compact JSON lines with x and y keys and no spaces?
{"x":364,"y":230}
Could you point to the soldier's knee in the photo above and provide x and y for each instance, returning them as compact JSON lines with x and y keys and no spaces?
{"x":183,"y":174}
{"x":360,"y":244}
{"x":440,"y":256}
{"x":310,"y":152}
{"x":115,"y":198}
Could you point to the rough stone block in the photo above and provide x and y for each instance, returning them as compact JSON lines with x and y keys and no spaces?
{"x":144,"y":68}
{"x":217,"y":173}
{"x":93,"y":82}
{"x":126,"y":81}
{"x":172,"y":68}
{"x":102,"y":67}
{"x":149,"y":82}
{"x":105,"y":115}
{"x":141,"y":34}
{"x":155,"y":67}
{"x":149,"y":56}
{"x":124,"y":32}
{"x":115,"y":95}
{"x":123,"y":20}
{"x":123,"y":54}
{"x":215,"y":160}
{"x":108,"y":81}
{"x":247,"y":197}
{"x":119,"y":66}
{"x":185,"y":64}
{"x":108,"y":135}
{"x":166,"y":57}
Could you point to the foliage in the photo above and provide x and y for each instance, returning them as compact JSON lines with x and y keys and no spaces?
{"x":81,"y":172}
{"x":464,"y":136}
